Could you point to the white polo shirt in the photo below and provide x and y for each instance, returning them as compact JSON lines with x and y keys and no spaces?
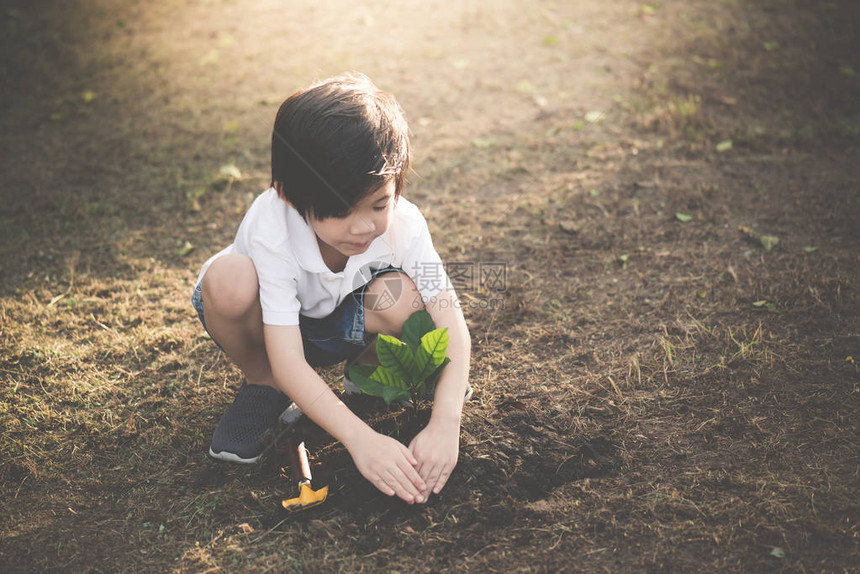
{"x":295,"y":280}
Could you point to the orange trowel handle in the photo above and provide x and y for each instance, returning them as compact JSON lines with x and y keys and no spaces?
{"x":299,"y":464}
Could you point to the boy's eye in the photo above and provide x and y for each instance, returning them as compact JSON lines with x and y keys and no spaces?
{"x":382,"y":207}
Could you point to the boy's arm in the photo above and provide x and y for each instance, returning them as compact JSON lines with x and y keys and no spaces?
{"x":382,"y":460}
{"x":437,"y":447}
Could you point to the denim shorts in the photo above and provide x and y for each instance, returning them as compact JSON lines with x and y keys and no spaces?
{"x":332,"y":339}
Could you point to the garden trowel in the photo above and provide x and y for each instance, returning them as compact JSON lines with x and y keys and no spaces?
{"x":301,"y":470}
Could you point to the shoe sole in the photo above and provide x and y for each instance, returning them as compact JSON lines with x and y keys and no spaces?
{"x":230,"y":457}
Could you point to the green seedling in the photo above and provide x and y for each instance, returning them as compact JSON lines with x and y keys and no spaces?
{"x":408,"y":369}
{"x":769,"y":241}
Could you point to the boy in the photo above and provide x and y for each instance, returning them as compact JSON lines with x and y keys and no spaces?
{"x":326,"y":259}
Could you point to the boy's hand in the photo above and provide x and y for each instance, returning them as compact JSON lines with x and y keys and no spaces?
{"x":389,"y":466}
{"x":437,"y":448}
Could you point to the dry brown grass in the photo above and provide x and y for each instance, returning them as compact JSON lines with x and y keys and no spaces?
{"x":650,"y":394}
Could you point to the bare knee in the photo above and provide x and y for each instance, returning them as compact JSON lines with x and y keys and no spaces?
{"x":388,"y":301}
{"x":230,"y":286}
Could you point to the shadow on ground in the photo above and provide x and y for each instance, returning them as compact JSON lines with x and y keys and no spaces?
{"x":655,"y":389}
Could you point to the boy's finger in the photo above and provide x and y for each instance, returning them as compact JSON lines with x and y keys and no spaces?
{"x":410,"y":456}
{"x":405,"y":489}
{"x":441,"y":481}
{"x":397,"y":488}
{"x":413,"y":477}
{"x":433,"y":476}
{"x":421,"y":470}
{"x":384,"y":487}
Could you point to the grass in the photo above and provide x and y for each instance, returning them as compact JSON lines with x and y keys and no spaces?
{"x":627,"y":417}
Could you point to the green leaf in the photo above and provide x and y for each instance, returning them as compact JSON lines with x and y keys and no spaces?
{"x":769,"y":241}
{"x":778,"y":552}
{"x":622,"y":259}
{"x":435,"y":343}
{"x":361,"y":371}
{"x":525,"y":87}
{"x":683,"y":217}
{"x":424,"y":365}
{"x":553,"y":131}
{"x":428,"y":386}
{"x":385,"y":377}
{"x":229,"y":171}
{"x":431,"y":381}
{"x":360,"y":375}
{"x":595,"y":117}
{"x":551,"y":41}
{"x":416,"y":326}
{"x":724,"y":146}
{"x":186,"y":248}
{"x":390,"y":394}
{"x":432,"y":352}
{"x":810,"y":249}
{"x":395,"y":356}
{"x":377,"y":382}
{"x":483,"y":143}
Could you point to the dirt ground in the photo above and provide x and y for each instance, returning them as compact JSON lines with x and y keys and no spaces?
{"x":653,"y":214}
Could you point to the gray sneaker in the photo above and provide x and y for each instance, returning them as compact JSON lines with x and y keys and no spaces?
{"x":244,"y":431}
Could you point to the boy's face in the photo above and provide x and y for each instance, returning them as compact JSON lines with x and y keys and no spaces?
{"x":367,"y":220}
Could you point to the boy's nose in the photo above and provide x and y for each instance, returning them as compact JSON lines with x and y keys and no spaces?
{"x":362,"y":225}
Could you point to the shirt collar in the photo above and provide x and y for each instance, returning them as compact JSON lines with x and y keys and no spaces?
{"x":307,"y":250}
{"x":303,"y":241}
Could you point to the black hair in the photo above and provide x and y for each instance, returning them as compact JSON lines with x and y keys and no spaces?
{"x":335,"y":142}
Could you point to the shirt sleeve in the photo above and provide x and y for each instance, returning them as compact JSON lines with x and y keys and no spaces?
{"x":278,"y":283}
{"x":262,"y":236}
{"x":421,"y":262}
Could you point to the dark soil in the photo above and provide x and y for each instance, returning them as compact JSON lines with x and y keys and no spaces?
{"x":655,"y":390}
